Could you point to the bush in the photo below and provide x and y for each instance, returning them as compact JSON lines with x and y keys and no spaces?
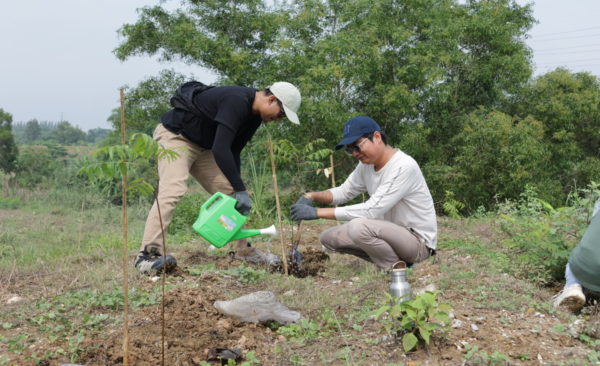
{"x":542,"y":237}
{"x":186,"y":212}
{"x":10,"y":203}
{"x":35,"y":166}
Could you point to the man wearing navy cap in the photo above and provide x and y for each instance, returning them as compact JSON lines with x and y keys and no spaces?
{"x":397,"y":224}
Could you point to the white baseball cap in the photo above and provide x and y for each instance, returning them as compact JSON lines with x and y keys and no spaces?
{"x":289,"y":96}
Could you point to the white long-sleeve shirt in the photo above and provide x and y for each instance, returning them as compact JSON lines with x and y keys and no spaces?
{"x":397,"y":193}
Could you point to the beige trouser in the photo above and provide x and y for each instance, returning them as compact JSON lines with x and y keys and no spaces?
{"x":173,"y":175}
{"x":380,"y":242}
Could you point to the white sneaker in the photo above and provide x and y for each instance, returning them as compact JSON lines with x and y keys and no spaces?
{"x":571,"y":297}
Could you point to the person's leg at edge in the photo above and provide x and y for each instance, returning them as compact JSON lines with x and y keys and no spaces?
{"x":570,"y":277}
{"x":572,"y":295}
{"x":173,"y":175}
{"x":387,"y":243}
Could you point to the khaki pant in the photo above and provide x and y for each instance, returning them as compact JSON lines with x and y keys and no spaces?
{"x":380,"y":242}
{"x":173,"y":175}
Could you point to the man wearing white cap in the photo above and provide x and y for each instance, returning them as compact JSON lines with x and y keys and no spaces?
{"x":208,"y":127}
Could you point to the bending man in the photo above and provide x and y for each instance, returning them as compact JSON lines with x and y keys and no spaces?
{"x":208,"y":127}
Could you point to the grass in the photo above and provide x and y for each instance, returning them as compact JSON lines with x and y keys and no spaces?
{"x":70,"y":260}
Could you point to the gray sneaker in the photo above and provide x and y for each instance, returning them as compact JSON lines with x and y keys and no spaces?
{"x":154,"y":262}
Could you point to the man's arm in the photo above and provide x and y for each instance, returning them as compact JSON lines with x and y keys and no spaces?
{"x":324,"y":197}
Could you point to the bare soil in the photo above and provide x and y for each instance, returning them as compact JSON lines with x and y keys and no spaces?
{"x":497,"y":315}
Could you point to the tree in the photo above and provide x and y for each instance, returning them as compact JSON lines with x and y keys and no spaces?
{"x":33,"y":131}
{"x":418,"y":67}
{"x":498,"y":156}
{"x":66,"y":134}
{"x":97,"y":134}
{"x":411,"y":61}
{"x":8,"y":148}
{"x":569,"y":106}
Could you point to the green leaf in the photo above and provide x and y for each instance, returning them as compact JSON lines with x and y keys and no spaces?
{"x":382,"y":310}
{"x":441,"y":316}
{"x":425,"y":334}
{"x":409,"y":341}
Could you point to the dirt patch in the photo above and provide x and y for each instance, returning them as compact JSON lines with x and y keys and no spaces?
{"x":494,"y":316}
{"x":192,"y":327}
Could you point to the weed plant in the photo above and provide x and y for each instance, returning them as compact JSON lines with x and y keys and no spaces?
{"x":541,"y":236}
{"x":415,"y":320}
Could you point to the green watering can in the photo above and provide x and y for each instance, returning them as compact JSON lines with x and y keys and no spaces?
{"x":219,"y":222}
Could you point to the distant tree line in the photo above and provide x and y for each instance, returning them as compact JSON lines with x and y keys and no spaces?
{"x":61,"y":133}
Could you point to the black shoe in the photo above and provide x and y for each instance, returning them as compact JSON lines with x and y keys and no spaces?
{"x":154,"y":262}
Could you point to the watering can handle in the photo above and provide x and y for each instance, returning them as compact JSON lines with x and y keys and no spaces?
{"x":211,"y":201}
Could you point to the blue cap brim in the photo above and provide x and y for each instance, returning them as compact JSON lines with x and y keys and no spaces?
{"x":347,"y":141}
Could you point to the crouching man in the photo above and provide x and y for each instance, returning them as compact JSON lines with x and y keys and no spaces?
{"x":397,"y":223}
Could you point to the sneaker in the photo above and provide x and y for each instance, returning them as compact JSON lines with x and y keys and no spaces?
{"x":571,"y":297}
{"x":154,"y":262}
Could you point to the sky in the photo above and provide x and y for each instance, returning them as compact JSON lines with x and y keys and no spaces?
{"x":57,"y":60}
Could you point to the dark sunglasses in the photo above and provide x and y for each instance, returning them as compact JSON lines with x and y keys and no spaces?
{"x":350,"y":149}
{"x":281,"y":110}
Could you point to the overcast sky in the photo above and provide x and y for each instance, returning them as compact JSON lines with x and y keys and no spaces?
{"x":57,"y":61}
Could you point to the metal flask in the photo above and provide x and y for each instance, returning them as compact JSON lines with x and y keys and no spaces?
{"x":399,"y":286}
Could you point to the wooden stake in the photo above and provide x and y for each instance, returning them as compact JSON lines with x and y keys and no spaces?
{"x":272,"y":156}
{"x":125,"y":266}
{"x":332,"y":172}
{"x":162,"y":280}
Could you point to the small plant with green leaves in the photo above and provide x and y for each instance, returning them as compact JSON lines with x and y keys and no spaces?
{"x":452,"y":206}
{"x":114,"y":161}
{"x":263,"y":208}
{"x":476,"y":357}
{"x":416,"y":319}
{"x":246,"y":274}
{"x":306,"y":329}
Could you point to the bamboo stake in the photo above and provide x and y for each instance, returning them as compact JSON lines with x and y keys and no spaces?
{"x":332,"y":172}
{"x":162,"y":280}
{"x":125,"y":267}
{"x":283,"y":255}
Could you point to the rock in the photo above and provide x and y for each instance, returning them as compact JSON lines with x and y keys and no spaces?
{"x":261,"y":306}
{"x":255,"y":255}
{"x":431,"y":287}
{"x":456,"y":323}
{"x":474,"y":328}
{"x":154,"y":278}
{"x":224,"y":324}
{"x":574,"y":329}
{"x":15,"y":299}
{"x":289,"y":293}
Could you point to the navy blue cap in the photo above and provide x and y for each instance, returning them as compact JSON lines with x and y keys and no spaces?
{"x":355,"y":128}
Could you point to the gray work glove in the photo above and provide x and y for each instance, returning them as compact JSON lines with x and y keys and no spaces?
{"x":302,"y":211}
{"x":304,"y":201}
{"x":244,"y":204}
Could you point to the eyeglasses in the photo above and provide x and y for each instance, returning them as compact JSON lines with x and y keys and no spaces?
{"x":281,"y":110}
{"x":350,"y":149}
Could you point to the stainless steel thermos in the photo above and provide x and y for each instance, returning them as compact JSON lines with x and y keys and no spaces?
{"x":399,"y":286}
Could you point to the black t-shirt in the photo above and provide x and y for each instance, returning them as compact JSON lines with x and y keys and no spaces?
{"x":225,"y":126}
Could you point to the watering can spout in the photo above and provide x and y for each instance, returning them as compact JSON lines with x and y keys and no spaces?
{"x":248,"y":233}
